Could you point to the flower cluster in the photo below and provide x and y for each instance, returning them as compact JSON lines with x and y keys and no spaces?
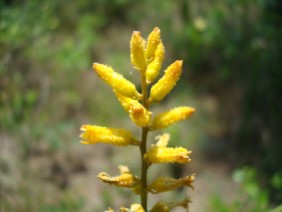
{"x":146,"y":57}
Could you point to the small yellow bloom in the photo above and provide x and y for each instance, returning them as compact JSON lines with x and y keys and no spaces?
{"x":94,"y":134}
{"x":133,"y":208}
{"x":152,"y":43}
{"x":159,"y":154}
{"x":125,"y":179}
{"x":137,"y":51}
{"x":137,"y":112}
{"x":116,"y":81}
{"x":154,"y":67}
{"x":164,"y":184}
{"x":167,"y":82}
{"x":170,"y":117}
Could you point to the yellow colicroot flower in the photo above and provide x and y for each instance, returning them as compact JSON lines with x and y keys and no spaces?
{"x":116,"y":81}
{"x":137,"y":112}
{"x":164,"y":184}
{"x":94,"y":134}
{"x":154,"y":67}
{"x":153,"y":41}
{"x":133,"y":208}
{"x":170,"y":117}
{"x":137,"y":52}
{"x":167,"y":82}
{"x":125,"y":179}
{"x":159,"y":154}
{"x":147,"y":57}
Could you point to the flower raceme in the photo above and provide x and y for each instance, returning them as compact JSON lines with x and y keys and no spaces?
{"x":147,"y":58}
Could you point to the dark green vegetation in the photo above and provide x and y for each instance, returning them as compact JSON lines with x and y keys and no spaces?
{"x":233,"y":76}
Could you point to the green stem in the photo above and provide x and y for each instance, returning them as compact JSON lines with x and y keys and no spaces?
{"x":143,"y":148}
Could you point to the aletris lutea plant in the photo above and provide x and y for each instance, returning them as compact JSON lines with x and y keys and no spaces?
{"x":147,"y":58}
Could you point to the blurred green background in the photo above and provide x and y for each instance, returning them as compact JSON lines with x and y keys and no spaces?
{"x":232,"y":76}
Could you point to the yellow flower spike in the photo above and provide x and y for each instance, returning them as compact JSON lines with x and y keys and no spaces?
{"x":170,"y":117}
{"x":154,"y":67}
{"x":133,"y":208}
{"x":167,"y":155}
{"x":152,"y":43}
{"x":95,"y":134}
{"x":137,"y":112}
{"x":167,"y":82}
{"x":164,"y":184}
{"x":116,"y":81}
{"x":137,"y":51}
{"x":125,"y":179}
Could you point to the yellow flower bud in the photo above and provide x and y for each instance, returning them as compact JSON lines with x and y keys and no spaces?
{"x":125,"y":179}
{"x":159,"y":154}
{"x":170,"y":117}
{"x":137,"y":51}
{"x":137,"y":112}
{"x":154,"y":67}
{"x":164,"y":184}
{"x":152,"y":43}
{"x":133,"y":208}
{"x":95,"y":134}
{"x":116,"y":81}
{"x":167,"y":82}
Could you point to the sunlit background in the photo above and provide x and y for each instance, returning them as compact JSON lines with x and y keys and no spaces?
{"x":232,"y":75}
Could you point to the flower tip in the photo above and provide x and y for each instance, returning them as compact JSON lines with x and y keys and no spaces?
{"x":83,"y":128}
{"x":136,"y":33}
{"x":179,"y":63}
{"x":156,"y":29}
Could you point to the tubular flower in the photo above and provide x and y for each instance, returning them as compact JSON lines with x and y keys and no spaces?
{"x":125,"y":179}
{"x":159,"y":154}
{"x":137,"y":51}
{"x":164,"y":184}
{"x":153,"y":68}
{"x":170,"y":117}
{"x":167,"y":82}
{"x":133,"y":208}
{"x":116,"y":81}
{"x":94,"y":134}
{"x":152,"y":43}
{"x":137,"y":112}
{"x":167,"y":206}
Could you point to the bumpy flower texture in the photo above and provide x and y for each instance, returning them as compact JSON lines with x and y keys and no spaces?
{"x":147,"y":58}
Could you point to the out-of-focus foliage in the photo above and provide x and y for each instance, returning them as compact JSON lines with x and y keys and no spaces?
{"x":232,"y":51}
